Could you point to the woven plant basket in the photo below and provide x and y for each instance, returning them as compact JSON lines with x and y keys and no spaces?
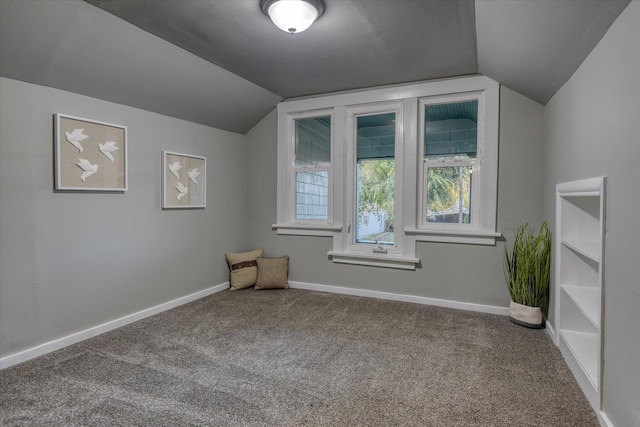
{"x":523,"y":315}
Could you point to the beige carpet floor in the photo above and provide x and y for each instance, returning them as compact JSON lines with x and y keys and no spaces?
{"x":296,"y":358}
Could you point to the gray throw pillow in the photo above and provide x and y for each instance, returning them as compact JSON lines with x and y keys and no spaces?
{"x":273,"y":273}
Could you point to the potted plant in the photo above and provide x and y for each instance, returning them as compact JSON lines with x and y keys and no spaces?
{"x":527,"y":270}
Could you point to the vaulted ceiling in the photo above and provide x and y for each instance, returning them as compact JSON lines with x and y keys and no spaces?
{"x":355,"y":44}
{"x":222,"y":63}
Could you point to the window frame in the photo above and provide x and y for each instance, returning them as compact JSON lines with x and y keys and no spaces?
{"x":291,"y":131}
{"x":425,"y":164}
{"x":288,"y":223}
{"x":412,"y":174}
{"x":353,"y":112}
{"x":485,"y":189}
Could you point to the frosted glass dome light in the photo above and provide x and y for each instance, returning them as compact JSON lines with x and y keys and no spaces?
{"x":293,"y":16}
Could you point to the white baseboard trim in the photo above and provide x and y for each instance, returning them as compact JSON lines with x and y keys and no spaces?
{"x":604,"y":420}
{"x":550,"y":331}
{"x":48,"y":347}
{"x":401,"y":297}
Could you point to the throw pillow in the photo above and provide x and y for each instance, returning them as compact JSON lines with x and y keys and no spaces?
{"x":273,"y":273}
{"x":243,"y":268}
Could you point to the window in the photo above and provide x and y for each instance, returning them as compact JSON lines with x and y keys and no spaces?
{"x":374,"y":142}
{"x":375,"y":200}
{"x":448,"y":193}
{"x":458,"y":151}
{"x":449,"y":149}
{"x":380,"y":169}
{"x":305,"y":173}
{"x":311,"y":167}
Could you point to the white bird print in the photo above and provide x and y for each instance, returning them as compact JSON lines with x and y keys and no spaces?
{"x":107,"y":148}
{"x":174,"y":168}
{"x":76,"y":137}
{"x":87,"y":167}
{"x":182,"y":190}
{"x":193,"y":175}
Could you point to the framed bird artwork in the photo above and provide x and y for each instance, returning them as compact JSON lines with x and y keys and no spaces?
{"x":183,"y":181}
{"x":89,"y":155}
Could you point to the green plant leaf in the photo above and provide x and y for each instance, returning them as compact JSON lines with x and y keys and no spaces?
{"x":527,"y":265}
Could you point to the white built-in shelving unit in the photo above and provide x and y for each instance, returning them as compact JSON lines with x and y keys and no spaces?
{"x":579,"y":280}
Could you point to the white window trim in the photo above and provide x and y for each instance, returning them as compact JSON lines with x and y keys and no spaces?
{"x":412,"y":174}
{"x":360,"y":258}
{"x":287,"y":221}
{"x":306,"y":229}
{"x":427,"y":163}
{"x":454,"y":236}
{"x":291,"y":134}
{"x":482,"y":229}
{"x":350,"y":172}
{"x":404,"y":257}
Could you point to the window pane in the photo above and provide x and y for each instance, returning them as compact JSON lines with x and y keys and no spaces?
{"x":451,"y":130}
{"x":313,"y":141}
{"x":312,"y":196}
{"x":449,"y":194}
{"x":375,"y":152}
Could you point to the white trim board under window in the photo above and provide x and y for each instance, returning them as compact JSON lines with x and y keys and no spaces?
{"x":442,"y":137}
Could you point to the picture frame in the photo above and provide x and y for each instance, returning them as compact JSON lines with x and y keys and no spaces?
{"x":90,"y":155}
{"x":184,"y":180}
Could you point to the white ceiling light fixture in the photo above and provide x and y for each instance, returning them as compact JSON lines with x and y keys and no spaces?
{"x":293,"y":16}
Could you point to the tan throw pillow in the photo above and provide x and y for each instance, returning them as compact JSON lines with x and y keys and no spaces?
{"x":273,"y":273}
{"x":243,"y":268}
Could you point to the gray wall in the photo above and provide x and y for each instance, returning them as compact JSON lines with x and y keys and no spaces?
{"x":591,"y":129}
{"x":464,"y":273}
{"x":72,"y":261}
{"x":75,"y":46}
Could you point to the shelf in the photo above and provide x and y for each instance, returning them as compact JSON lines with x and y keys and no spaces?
{"x":579,"y":286}
{"x":585,"y":349}
{"x":587,"y":248}
{"x":587,"y":299}
{"x":595,"y":193}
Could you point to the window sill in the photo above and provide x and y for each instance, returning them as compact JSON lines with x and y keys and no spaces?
{"x":455,"y":236}
{"x":307,"y":229}
{"x":357,"y":258}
